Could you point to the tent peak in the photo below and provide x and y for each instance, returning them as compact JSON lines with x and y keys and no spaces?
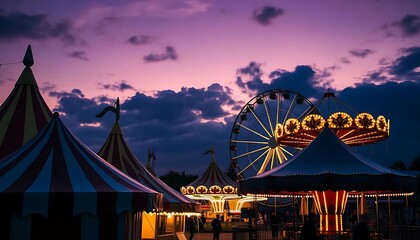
{"x":28,"y":59}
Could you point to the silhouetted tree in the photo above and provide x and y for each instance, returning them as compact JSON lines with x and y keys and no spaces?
{"x":415,"y":164}
{"x":176,"y":180}
{"x":399,"y":165}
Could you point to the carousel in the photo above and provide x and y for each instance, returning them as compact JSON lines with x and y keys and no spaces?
{"x":167,"y":223}
{"x":218,"y":193}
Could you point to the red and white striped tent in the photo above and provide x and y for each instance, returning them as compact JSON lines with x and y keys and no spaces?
{"x":24,"y":113}
{"x":116,"y":151}
{"x":55,"y":187}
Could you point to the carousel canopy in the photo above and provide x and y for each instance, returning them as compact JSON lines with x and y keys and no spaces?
{"x":24,"y":113}
{"x":212,"y":181}
{"x":116,"y":151}
{"x":56,"y":173}
{"x":328,"y":164}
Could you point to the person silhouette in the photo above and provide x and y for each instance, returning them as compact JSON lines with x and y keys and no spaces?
{"x":361,"y":230}
{"x":191,"y":227}
{"x":202,"y":220}
{"x":217,"y":227}
{"x":308,"y":230}
{"x":274,"y":223}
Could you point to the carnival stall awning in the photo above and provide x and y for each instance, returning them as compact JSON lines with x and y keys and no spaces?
{"x":328,"y":164}
{"x":116,"y":151}
{"x":24,"y":113}
{"x":55,"y":173}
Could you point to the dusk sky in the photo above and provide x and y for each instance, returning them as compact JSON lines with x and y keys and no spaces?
{"x":184,"y":69}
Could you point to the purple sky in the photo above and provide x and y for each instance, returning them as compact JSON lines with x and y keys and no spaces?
{"x":184,"y":69}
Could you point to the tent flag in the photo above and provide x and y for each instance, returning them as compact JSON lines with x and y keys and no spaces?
{"x":115,"y":109}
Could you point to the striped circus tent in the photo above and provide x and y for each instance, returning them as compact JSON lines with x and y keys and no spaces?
{"x":216,"y":187}
{"x":214,"y":180}
{"x":24,"y":113}
{"x":55,"y":187}
{"x":116,"y":151}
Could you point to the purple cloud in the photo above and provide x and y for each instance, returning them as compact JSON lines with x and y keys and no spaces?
{"x":265,"y":15}
{"x":169,"y":54}
{"x":361,"y":53}
{"x":117,"y":86}
{"x":141,"y":40}
{"x":79,"y":55}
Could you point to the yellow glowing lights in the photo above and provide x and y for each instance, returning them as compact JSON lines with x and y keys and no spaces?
{"x":190,"y":190}
{"x":278,"y":132}
{"x":201,"y":189}
{"x":313,"y":122}
{"x":381,"y":124}
{"x":215,"y":189}
{"x":340,"y":120}
{"x":228,"y":189}
{"x":291,"y":126}
{"x":365,"y":120}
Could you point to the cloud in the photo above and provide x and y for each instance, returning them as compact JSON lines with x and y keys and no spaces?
{"x":407,"y":66}
{"x":47,"y":87}
{"x":117,"y":86}
{"x":361,"y":53}
{"x":408,"y":26}
{"x":63,"y":94}
{"x":303,"y":80}
{"x":267,"y":14}
{"x":79,"y":55}
{"x":141,"y":40}
{"x":403,"y":68}
{"x":169,"y":54}
{"x":179,"y":125}
{"x":345,"y":60}
{"x":18,"y":25}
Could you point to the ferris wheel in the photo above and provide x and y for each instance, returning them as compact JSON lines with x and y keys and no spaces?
{"x":263,"y":134}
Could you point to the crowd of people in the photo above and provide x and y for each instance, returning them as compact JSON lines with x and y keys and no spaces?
{"x":308,"y":231}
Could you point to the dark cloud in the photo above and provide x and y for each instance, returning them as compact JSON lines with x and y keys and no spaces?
{"x":117,"y":86}
{"x":403,"y":68}
{"x":169,"y":54}
{"x":407,"y":66}
{"x":303,"y":80}
{"x":63,"y":94}
{"x":376,"y":76}
{"x":17,"y":25}
{"x":141,"y":40}
{"x":253,"y":69}
{"x":265,"y":15}
{"x":408,"y":26}
{"x":179,"y":125}
{"x":361,"y":53}
{"x":399,"y":103}
{"x":79,"y":55}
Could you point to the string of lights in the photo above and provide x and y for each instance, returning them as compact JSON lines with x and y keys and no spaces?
{"x":11,"y":63}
